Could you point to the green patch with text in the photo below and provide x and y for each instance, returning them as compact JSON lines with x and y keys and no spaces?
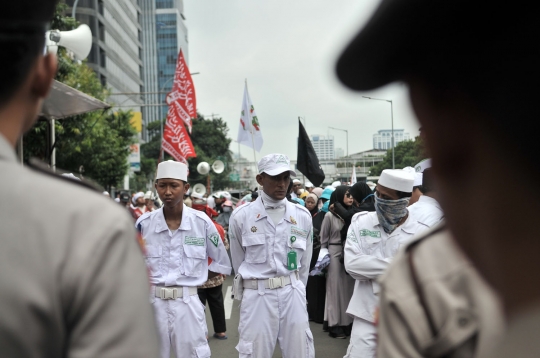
{"x":196,"y":241}
{"x":366,"y":232}
{"x":298,"y":232}
{"x":352,"y":236}
{"x":214,"y":238}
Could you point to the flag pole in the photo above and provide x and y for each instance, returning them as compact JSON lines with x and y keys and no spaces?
{"x":251,"y":132}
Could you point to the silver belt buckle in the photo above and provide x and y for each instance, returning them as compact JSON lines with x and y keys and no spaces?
{"x":168,"y":293}
{"x":275,"y":282}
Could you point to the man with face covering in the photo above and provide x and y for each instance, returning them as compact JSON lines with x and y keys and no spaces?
{"x":271,"y":245}
{"x":372,"y":240}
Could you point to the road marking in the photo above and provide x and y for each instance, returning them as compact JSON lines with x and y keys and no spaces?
{"x":228,"y":303}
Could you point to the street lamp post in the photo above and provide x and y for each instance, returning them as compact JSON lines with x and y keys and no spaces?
{"x":347,"y":141}
{"x":392,"y":117}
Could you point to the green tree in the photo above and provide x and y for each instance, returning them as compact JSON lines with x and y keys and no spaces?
{"x":209,"y":138}
{"x":408,"y":154}
{"x":96,"y":142}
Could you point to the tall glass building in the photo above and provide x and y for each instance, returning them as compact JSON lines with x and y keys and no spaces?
{"x":164,"y":34}
{"x":116,"y":54}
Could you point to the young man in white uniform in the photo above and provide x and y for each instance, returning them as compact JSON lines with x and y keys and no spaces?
{"x":178,"y":242}
{"x":271,"y":243}
{"x":427,"y":209}
{"x":373,"y":239}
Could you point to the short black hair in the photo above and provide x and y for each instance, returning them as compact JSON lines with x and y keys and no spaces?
{"x":419,"y":187}
{"x":23,"y":24}
{"x":403,"y":194}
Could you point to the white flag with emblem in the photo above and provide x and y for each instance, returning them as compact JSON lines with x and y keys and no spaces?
{"x":353,"y":176}
{"x":249,"y":130}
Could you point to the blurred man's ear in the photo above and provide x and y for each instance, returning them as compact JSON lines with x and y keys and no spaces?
{"x":44,"y":73}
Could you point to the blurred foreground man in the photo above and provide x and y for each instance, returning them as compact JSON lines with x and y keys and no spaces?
{"x":271,"y":246}
{"x":372,"y":241}
{"x":472,"y":79}
{"x":73,"y":281}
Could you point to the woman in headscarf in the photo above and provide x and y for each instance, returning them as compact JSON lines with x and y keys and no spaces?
{"x":339,"y":285}
{"x":316,"y":285}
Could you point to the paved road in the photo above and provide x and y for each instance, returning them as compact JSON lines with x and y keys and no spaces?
{"x":325,"y":347}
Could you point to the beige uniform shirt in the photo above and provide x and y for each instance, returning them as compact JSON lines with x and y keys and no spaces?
{"x":466,"y":315}
{"x":72,"y":278}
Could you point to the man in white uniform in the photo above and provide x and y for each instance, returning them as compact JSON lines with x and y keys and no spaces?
{"x":271,"y":243}
{"x":372,"y":240}
{"x":427,"y":209}
{"x":178,"y":242}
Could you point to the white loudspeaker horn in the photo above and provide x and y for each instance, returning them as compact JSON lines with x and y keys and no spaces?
{"x":199,"y":189}
{"x":78,"y":41}
{"x":203,"y":168}
{"x":218,"y":167}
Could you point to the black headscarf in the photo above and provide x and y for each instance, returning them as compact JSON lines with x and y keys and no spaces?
{"x":339,"y":194}
{"x":360,"y":191}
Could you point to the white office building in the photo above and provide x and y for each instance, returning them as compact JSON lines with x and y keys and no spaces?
{"x":324,"y":146}
{"x":383,"y":139}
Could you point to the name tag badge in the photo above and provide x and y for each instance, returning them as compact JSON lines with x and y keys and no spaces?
{"x":296,"y":231}
{"x":291,"y":261}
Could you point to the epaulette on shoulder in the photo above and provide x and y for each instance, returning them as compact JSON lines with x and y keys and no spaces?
{"x":42,"y":168}
{"x":417,"y":240}
{"x":358,"y":215}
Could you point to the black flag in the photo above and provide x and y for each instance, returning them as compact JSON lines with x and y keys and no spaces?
{"x":307,"y":161}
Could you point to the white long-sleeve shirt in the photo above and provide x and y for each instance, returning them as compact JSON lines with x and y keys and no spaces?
{"x":259,"y":248}
{"x":426,"y":210}
{"x":368,"y":252}
{"x":181,"y":258}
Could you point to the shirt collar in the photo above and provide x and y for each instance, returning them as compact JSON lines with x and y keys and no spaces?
{"x":259,"y":211}
{"x":6,"y":150}
{"x":161,"y":224}
{"x":429,"y":200}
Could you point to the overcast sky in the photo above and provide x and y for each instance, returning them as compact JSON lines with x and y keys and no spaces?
{"x":287,"y":51}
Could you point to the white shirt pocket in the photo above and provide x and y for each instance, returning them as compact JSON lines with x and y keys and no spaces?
{"x":153,"y":260}
{"x":194,"y":257}
{"x":255,"y":246}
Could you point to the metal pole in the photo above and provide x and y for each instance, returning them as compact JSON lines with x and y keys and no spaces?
{"x":53,"y":152}
{"x":393,"y":148}
{"x":74,"y":8}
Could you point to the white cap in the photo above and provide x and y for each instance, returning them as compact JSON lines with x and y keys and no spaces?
{"x":296,"y":181}
{"x":336,"y":183}
{"x":308,"y":185}
{"x":371,"y":185}
{"x":397,"y":179}
{"x":137,"y":196}
{"x":117,"y":200}
{"x":172,"y":170}
{"x":417,"y":176}
{"x":196,"y":195}
{"x":423,"y":165}
{"x":148,"y":195}
{"x":106,"y":193}
{"x":274,"y":164}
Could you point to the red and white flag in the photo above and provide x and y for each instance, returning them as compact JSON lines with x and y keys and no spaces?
{"x":176,"y":139}
{"x":249,"y":130}
{"x":182,"y":96}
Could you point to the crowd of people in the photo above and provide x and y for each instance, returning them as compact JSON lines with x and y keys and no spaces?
{"x":430,"y":265}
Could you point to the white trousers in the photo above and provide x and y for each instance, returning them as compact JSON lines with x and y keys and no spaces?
{"x":267,"y":316}
{"x":181,"y":325}
{"x":363,"y":339}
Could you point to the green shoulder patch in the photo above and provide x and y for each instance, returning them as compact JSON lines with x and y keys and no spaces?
{"x":214,"y":238}
{"x":352,"y":236}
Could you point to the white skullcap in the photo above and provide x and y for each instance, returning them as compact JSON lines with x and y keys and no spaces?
{"x":196,"y":195}
{"x":274,"y":164}
{"x":308,"y":185}
{"x":336,"y":183}
{"x":417,"y":176}
{"x":397,"y":179}
{"x":137,"y":196}
{"x":148,"y":195}
{"x":296,"y":181}
{"x":106,"y":193}
{"x":117,"y":200}
{"x":172,"y":170}
{"x":423,"y":165}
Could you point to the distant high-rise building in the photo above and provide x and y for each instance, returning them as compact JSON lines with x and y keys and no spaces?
{"x":324,"y":146}
{"x":340,"y":153}
{"x":383,"y":139}
{"x":164,"y":34}
{"x":116,"y":54}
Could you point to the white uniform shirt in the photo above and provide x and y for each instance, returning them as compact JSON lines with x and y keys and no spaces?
{"x":181,"y":258}
{"x":259,"y":248}
{"x":368,"y":252}
{"x":426,"y":210}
